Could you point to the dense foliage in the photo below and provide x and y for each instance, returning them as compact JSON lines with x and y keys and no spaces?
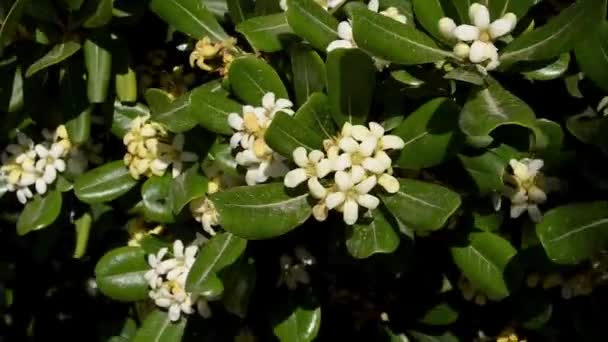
{"x":299,"y":170}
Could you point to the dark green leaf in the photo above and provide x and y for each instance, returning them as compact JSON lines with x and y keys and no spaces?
{"x":260,"y":211}
{"x":157,"y":199}
{"x":104,"y":183}
{"x":123,"y":115}
{"x":101,"y":16}
{"x":58,"y":53}
{"x":377,"y":235}
{"x":40,"y":212}
{"x":190,"y":17}
{"x":98,"y":61}
{"x":311,"y":22}
{"x":83,"y":227}
{"x":212,"y":110}
{"x":239,"y":282}
{"x":178,"y":116}
{"x":301,"y":325}
{"x":186,"y":187}
{"x":428,"y":14}
{"x":79,"y":128}
{"x":285,"y":134}
{"x":240,"y":9}
{"x":10,"y":21}
{"x":157,"y":327}
{"x":487,"y":169}
{"x":316,"y":115}
{"x":406,"y":78}
{"x":498,"y":8}
{"x":465,"y":74}
{"x":592,"y":53}
{"x":573,"y":233}
{"x":267,"y":33}
{"x":551,"y":71}
{"x":442,"y":314}
{"x":120,"y":274}
{"x":251,"y":78}
{"x":308,"y":70}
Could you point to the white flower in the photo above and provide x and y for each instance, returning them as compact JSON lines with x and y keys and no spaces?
{"x":273,"y":166}
{"x":526,"y":188}
{"x":23,"y":194}
{"x":311,"y":167}
{"x":179,"y":155}
{"x":49,"y":164}
{"x":204,"y":212}
{"x":21,"y":152}
{"x":272,"y":105}
{"x":153,"y":277}
{"x":346,"y":41}
{"x":352,"y":193}
{"x":391,"y":12}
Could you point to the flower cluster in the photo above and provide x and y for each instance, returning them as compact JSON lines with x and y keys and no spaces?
{"x":214,"y":57}
{"x":294,"y":271}
{"x":526,"y":188}
{"x":150,"y":150}
{"x":345,"y":30}
{"x":167,"y":280}
{"x":358,"y":159}
{"x":253,"y":152}
{"x":26,"y":164}
{"x":476,"y":42}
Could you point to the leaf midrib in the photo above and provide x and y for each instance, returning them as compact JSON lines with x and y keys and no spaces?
{"x":578,"y":230}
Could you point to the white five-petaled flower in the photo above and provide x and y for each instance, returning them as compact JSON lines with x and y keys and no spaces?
{"x":312,"y":166}
{"x":50,"y":162}
{"x":480,"y":35}
{"x":352,"y":191}
{"x":272,"y":105}
{"x":526,"y":188}
{"x":204,"y":212}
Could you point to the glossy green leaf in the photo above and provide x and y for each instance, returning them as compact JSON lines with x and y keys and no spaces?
{"x":120,"y":274}
{"x":157,"y":199}
{"x":285,"y":134}
{"x":123,"y":115}
{"x":420,"y":205}
{"x":240,"y":10}
{"x":158,"y":327}
{"x":441,"y":314}
{"x":591,"y":54}
{"x":157,"y":99}
{"x":301,"y":325}
{"x":311,"y":22}
{"x":83,"y":228}
{"x":251,"y":78}
{"x":178,"y":116}
{"x":350,"y":93}
{"x":260,"y":211}
{"x":574,"y":233}
{"x":430,"y":134}
{"x":490,"y":107}
{"x":487,"y":169}
{"x":265,"y":7}
{"x":186,"y":187}
{"x":58,"y":54}
{"x":9,"y":23}
{"x":315,"y":114}
{"x":212,"y":110}
{"x":371,"y":236}
{"x":101,"y":15}
{"x":126,"y":85}
{"x":428,"y":14}
{"x":221,"y":156}
{"x":484,"y":262}
{"x":79,"y":128}
{"x":239,"y":282}
{"x":190,"y":17}
{"x":393,"y":41}
{"x":221,"y":251}
{"x":104,"y":183}
{"x":267,"y":33}
{"x":406,"y":78}
{"x":498,"y":8}
{"x":551,"y":71}
{"x":557,"y":36}
{"x":40,"y":212}
{"x":98,"y":61}
{"x":308,"y":70}
{"x":465,"y":74}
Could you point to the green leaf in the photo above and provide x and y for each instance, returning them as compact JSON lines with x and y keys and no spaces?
{"x":123,"y":115}
{"x":428,"y":14}
{"x":101,"y":16}
{"x":302,"y":325}
{"x":350,"y":93}
{"x":190,"y":17}
{"x":221,"y":251}
{"x":251,"y":78}
{"x":186,"y":187}
{"x":487,"y":169}
{"x":491,"y":107}
{"x":260,"y":211}
{"x":212,"y":110}
{"x":178,"y":116}
{"x":156,"y":195}
{"x":120,"y":274}
{"x":267,"y":33}
{"x":158,"y":327}
{"x":441,"y":314}
{"x":40,"y":212}
{"x":393,"y":41}
{"x":104,"y":183}
{"x":79,"y":128}
{"x":239,"y":281}
{"x":240,"y":10}
{"x":365,"y":239}
{"x":573,"y":233}
{"x":58,"y":53}
{"x":556,"y":37}
{"x":157,"y":99}
{"x":221,"y":156}
{"x":499,"y":8}
{"x":311,"y":22}
{"x":430,"y":134}
{"x":9,"y":23}
{"x":98,"y":61}
{"x":83,"y":227}
{"x":465,"y":74}
{"x":406,"y":78}
{"x":591,"y":54}
{"x":285,"y":134}
{"x":420,"y":205}
{"x":551,"y":71}
{"x":308,"y":70}
{"x":484,"y":262}
{"x":316,"y":115}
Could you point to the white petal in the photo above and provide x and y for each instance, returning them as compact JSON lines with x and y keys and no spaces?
{"x":357,"y":173}
{"x":246,"y":158}
{"x":21,"y":197}
{"x":41,"y":186}
{"x":342,"y":162}
{"x":190,"y":252}
{"x":351,"y":212}
{"x":366,"y":185}
{"x":174,"y":312}
{"x":295,"y":177}
{"x":349,"y":145}
{"x":383,"y":159}
{"x":315,"y":156}
{"x":178,"y":249}
{"x":360,"y":132}
{"x":177,"y":169}
{"x":334,"y":199}
{"x":178,"y":142}
{"x":389,"y":183}
{"x":518,"y":209}
{"x":376,"y":129}
{"x":343,"y":181}
{"x":479,"y":15}
{"x":235,"y":139}
{"x":462,"y":50}
{"x":373,"y":165}
{"x":499,"y":28}
{"x":50,"y":174}
{"x":345,"y":31}
{"x":163,"y":302}
{"x":466,"y":33}
{"x":535,"y":215}
{"x":373,"y":5}
{"x":56,"y":150}
{"x":339,"y":44}
{"x":368,"y":146}
{"x":347,"y":128}
{"x":268,"y":100}
{"x":300,"y":157}
{"x":41,"y":151}
{"x":27,"y":179}
{"x":368,"y":201}
{"x":536,"y":195}
{"x":479,"y":52}
{"x":323,"y":168}
{"x":59,"y":164}
{"x":535,"y":165}
{"x":391,"y":142}
{"x":319,"y":212}
{"x":446,"y":27}
{"x":316,"y":189}
{"x":283,"y":105}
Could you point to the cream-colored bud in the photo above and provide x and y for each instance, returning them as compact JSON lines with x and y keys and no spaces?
{"x":461,"y":50}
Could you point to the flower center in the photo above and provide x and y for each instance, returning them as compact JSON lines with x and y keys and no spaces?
{"x":484,"y":36}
